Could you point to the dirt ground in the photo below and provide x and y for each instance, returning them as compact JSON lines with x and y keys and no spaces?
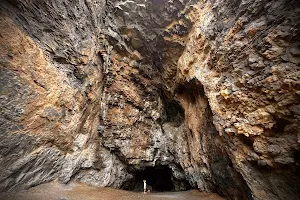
{"x":76,"y":191}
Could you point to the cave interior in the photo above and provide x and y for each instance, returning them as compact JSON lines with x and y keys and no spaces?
{"x":159,"y":177}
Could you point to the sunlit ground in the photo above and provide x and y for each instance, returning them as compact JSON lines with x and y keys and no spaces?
{"x":75,"y":191}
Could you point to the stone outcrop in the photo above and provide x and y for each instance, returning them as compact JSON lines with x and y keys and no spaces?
{"x":98,"y":91}
{"x":51,"y":83}
{"x":248,"y":68}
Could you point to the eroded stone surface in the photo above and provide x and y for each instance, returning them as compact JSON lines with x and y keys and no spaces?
{"x":250,"y":79}
{"x":95,"y":91}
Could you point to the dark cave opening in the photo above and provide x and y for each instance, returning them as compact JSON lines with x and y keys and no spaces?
{"x":158,"y":177}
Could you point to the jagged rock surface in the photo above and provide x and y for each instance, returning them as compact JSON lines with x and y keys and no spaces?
{"x":51,"y":83}
{"x":95,"y":91}
{"x":245,"y":59}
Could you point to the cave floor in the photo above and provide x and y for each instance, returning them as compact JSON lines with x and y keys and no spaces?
{"x":76,"y":191}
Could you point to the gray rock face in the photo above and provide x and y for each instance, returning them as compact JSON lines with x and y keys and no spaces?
{"x":51,"y":73}
{"x":101,"y":91}
{"x":243,"y":63}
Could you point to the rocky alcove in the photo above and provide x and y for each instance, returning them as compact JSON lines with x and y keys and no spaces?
{"x":174,"y":113}
{"x":160,"y":178}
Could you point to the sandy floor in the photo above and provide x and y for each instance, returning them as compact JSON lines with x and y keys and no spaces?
{"x":56,"y":191}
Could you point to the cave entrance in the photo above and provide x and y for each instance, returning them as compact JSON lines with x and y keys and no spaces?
{"x":158,"y":177}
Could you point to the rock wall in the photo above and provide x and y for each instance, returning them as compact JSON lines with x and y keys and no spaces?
{"x":51,"y":86}
{"x":97,"y":91}
{"x":246,"y":60}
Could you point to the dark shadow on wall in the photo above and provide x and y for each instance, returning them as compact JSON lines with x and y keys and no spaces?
{"x":174,"y":113}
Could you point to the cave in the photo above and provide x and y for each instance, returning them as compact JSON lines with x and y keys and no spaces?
{"x":158,"y":177}
{"x":184,"y":94}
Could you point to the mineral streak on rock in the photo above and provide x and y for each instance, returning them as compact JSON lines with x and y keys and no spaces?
{"x":100,"y":91}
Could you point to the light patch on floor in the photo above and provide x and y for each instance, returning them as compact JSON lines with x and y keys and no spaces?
{"x":76,"y":191}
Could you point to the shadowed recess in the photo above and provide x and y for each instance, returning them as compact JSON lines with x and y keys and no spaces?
{"x":158,"y":177}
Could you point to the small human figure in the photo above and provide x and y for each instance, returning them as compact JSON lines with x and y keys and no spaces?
{"x":147,"y":188}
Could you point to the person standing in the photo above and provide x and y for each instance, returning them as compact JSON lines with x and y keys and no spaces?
{"x":145,"y":186}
